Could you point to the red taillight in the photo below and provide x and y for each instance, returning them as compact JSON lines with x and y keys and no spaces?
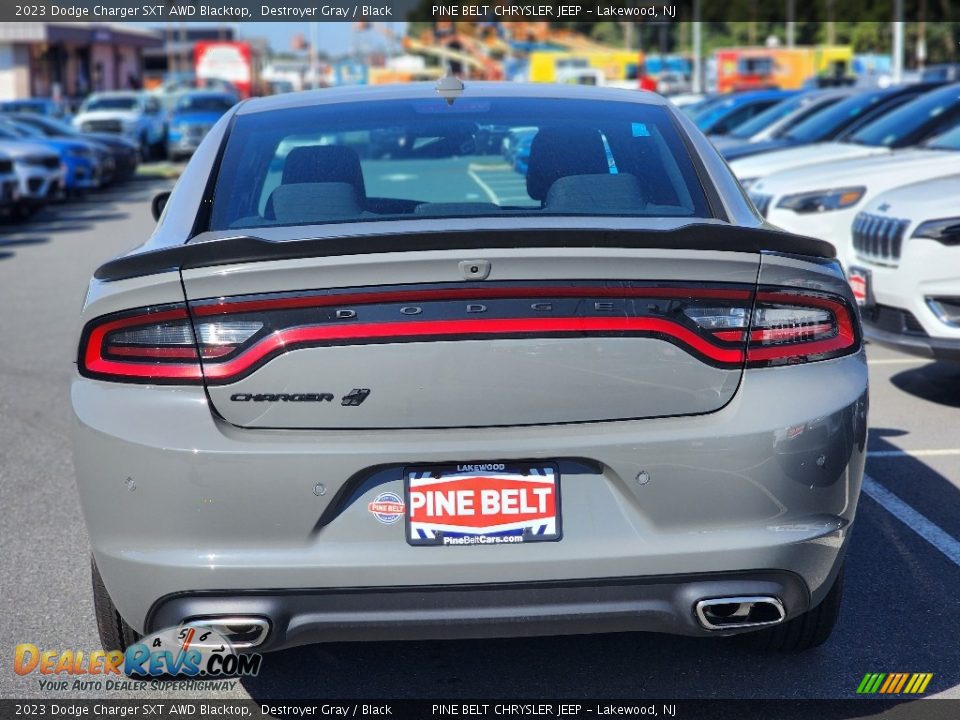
{"x":146,"y":345}
{"x":790,"y":326}
{"x":158,"y":345}
{"x":229,"y":338}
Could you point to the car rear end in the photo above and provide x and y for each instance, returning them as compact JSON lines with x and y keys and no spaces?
{"x":426,"y":397}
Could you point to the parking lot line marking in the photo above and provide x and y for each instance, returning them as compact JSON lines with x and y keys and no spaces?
{"x":483,"y":186}
{"x":899,"y":361}
{"x":946,"y":452}
{"x":925,"y":528}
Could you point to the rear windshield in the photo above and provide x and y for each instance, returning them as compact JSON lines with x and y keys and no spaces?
{"x":950,"y":140}
{"x":768,"y":117}
{"x":903,"y":125}
{"x":402,"y":160}
{"x":110,"y":103}
{"x":829,"y":122}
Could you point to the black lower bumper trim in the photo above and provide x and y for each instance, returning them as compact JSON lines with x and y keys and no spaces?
{"x":660,"y":604}
{"x":922,"y":345}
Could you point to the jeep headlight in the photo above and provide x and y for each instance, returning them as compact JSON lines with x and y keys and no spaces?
{"x":945,"y":230}
{"x":822,"y":200}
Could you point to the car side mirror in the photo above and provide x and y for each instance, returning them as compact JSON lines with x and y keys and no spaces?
{"x":158,"y":203}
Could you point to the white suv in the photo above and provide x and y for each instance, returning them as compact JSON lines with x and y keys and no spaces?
{"x":136,"y":115}
{"x":906,"y":268}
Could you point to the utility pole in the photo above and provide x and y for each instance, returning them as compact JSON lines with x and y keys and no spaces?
{"x":922,"y":36}
{"x":172,"y":60}
{"x":897,"y":42}
{"x":791,"y":23}
{"x":831,"y":30}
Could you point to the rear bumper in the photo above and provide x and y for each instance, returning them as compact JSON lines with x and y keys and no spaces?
{"x":658,"y":604}
{"x":179,"y":502}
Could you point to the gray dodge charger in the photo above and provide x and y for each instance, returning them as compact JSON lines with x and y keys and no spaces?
{"x":373,"y":377}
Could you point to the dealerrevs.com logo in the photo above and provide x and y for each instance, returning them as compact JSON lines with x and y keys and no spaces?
{"x":189,"y":652}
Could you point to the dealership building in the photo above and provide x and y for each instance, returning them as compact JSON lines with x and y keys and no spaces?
{"x":71,"y":59}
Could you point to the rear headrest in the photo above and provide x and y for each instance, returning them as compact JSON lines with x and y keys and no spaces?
{"x":324,"y":164}
{"x":559,"y":152}
{"x":314,"y":202}
{"x":596,"y":194}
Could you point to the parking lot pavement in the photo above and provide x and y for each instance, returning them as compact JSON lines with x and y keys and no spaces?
{"x":899,"y":612}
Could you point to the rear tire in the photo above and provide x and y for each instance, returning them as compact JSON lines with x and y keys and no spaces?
{"x":804,"y":632}
{"x":115,"y":634}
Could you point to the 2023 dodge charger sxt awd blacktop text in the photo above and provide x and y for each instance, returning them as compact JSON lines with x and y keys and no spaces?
{"x":344,"y":394}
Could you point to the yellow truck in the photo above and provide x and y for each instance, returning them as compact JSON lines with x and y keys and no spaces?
{"x":619,"y":68}
{"x":754,"y":68}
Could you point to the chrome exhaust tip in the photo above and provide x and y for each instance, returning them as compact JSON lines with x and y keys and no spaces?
{"x":243,"y":632}
{"x":733,"y":613}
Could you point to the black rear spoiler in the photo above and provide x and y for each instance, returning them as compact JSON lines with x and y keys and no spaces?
{"x":246,"y":249}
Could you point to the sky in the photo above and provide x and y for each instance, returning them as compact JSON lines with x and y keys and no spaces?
{"x":333,"y":38}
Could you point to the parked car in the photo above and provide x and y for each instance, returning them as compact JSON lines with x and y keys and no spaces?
{"x":138,"y":116}
{"x":693,"y":104}
{"x":40,"y":172}
{"x":821,"y":200}
{"x":906,"y":250}
{"x":776,"y":121}
{"x":521,"y":152}
{"x":946,"y":72}
{"x":9,"y":186}
{"x":673,"y":83}
{"x":725,"y":116}
{"x":575,"y":375}
{"x":833,"y":123}
{"x":46,"y":107}
{"x":87,"y":164}
{"x":512,"y":141}
{"x":192,"y":117}
{"x":922,"y":117}
{"x":124,"y":153}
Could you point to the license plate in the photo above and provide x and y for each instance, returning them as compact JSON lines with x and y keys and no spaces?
{"x":498,"y":503}
{"x":859,"y":280}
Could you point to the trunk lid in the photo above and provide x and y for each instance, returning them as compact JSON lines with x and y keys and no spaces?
{"x":478,"y":338}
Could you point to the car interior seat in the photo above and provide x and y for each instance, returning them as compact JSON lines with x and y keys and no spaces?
{"x":562,"y":152}
{"x":319,"y":182}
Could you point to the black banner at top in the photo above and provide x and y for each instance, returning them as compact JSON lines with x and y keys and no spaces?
{"x":656,"y":11}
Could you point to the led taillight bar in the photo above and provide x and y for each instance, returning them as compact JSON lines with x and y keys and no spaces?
{"x":239,"y":335}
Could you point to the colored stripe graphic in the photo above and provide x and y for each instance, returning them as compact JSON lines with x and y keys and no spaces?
{"x":894,"y":683}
